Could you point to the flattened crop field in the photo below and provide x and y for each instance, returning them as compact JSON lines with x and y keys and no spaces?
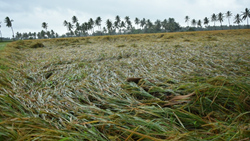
{"x":171,"y":86}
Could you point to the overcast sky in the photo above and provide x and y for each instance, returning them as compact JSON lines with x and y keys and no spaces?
{"x":28,"y":15}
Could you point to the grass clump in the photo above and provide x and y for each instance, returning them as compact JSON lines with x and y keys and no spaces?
{"x":122,"y":45}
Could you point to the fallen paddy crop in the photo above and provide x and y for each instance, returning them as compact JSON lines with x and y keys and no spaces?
{"x":191,"y":86}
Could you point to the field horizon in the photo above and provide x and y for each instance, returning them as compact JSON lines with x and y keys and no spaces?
{"x":159,"y":86}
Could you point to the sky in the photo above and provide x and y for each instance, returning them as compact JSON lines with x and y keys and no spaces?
{"x":28,"y":15}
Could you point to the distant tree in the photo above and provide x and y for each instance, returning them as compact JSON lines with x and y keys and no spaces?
{"x":237,"y":19}
{"x":187,"y":18}
{"x":43,"y":34}
{"x":57,"y":35}
{"x":48,"y":34}
{"x":214,"y":19}
{"x":9,"y":24}
{"x":128,"y":22}
{"x":137,"y":22}
{"x":158,"y":25}
{"x":98,"y":22}
{"x":74,"y":19}
{"x":68,"y":25}
{"x":123,"y":24}
{"x":199,"y":23}
{"x":1,"y":32}
{"x":165,"y":24}
{"x":149,"y":24}
{"x":116,"y":25}
{"x":193,"y":22}
{"x":104,"y":30}
{"x":245,"y":15}
{"x":117,"y":22}
{"x":109,"y":26}
{"x":221,"y":18}
{"x":91,"y":24}
{"x":229,"y":15}
{"x":206,"y":21}
{"x":52,"y":34}
{"x":143,"y":23}
{"x":45,"y":26}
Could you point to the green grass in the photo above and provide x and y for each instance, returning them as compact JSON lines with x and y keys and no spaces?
{"x":191,"y":88}
{"x":3,"y":45}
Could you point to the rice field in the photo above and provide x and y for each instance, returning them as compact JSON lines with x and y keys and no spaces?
{"x":172,"y":86}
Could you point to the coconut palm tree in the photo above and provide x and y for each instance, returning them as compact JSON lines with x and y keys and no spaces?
{"x":199,"y":23}
{"x":45,"y":26}
{"x":221,"y":18}
{"x":122,"y":25}
{"x":9,"y":24}
{"x":164,"y":24}
{"x":137,"y":22}
{"x":91,"y":24}
{"x":214,"y":19}
{"x":237,"y":19}
{"x":98,"y":22}
{"x":128,"y":22}
{"x":143,"y":22}
{"x":206,"y":21}
{"x":149,"y":24}
{"x":74,"y":19}
{"x":187,"y":18}
{"x":229,"y":15}
{"x":117,"y":22}
{"x":245,"y":15}
{"x":193,"y":22}
{"x":1,"y":32}
{"x":109,"y":26}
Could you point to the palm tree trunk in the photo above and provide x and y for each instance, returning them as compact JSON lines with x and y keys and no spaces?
{"x":221,"y":25}
{"x":214,"y":25}
{"x":1,"y":36}
{"x":247,"y":23}
{"x":12,"y":33}
{"x":229,"y":23}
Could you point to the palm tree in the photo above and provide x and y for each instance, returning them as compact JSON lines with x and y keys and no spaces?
{"x":70,"y":27}
{"x":109,"y":25}
{"x":128,"y":22}
{"x":229,"y":15}
{"x":9,"y":24}
{"x":214,"y":19}
{"x":193,"y":22}
{"x":245,"y":15}
{"x":122,"y":24}
{"x":1,"y":32}
{"x":237,"y":19}
{"x":149,"y":24}
{"x":165,"y":24}
{"x":117,"y":22}
{"x":206,"y":21}
{"x":137,"y":22}
{"x":98,"y":22}
{"x":91,"y":24}
{"x":187,"y":19}
{"x":143,"y":22}
{"x":199,"y":23}
{"x":74,"y":19}
{"x":221,"y":18}
{"x":158,"y":25}
{"x":45,"y":26}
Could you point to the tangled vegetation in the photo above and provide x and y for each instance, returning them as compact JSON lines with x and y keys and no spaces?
{"x":171,"y":86}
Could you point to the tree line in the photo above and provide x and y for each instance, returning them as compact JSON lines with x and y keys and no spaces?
{"x":125,"y":26}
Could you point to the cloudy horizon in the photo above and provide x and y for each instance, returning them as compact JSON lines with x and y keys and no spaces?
{"x":28,"y":15}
